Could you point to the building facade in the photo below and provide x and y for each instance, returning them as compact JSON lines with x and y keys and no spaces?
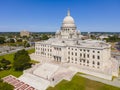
{"x":68,"y":47}
{"x":24,"y":33}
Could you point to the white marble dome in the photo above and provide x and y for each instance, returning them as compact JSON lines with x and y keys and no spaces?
{"x":68,"y":21}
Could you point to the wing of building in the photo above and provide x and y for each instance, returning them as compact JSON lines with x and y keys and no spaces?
{"x":68,"y":47}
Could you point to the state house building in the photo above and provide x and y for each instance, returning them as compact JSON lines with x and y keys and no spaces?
{"x":68,"y":47}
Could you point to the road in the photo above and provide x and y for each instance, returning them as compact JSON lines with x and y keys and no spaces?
{"x":12,"y":51}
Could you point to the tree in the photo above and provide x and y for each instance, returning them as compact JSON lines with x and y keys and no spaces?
{"x":44,"y":37}
{"x":12,"y":40}
{"x":26,"y":44}
{"x":113,"y":38}
{"x":21,"y":60}
{"x":2,"y":40}
{"x":93,"y":37}
{"x":5,"y":64}
{"x":19,"y":40}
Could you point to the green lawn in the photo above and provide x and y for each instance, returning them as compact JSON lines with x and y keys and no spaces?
{"x":81,"y":83}
{"x":31,"y":51}
{"x":12,"y":71}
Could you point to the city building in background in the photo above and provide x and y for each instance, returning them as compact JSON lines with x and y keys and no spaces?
{"x":24,"y":33}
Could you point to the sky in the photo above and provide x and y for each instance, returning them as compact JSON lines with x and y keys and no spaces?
{"x":48,"y":15}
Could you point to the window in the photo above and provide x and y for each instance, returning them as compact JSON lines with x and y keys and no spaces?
{"x":93,"y":56}
{"x":84,"y":55}
{"x":68,"y":57}
{"x":98,"y":51}
{"x":80,"y":54}
{"x":98,"y":57}
{"x":68,"y":52}
{"x":72,"y":53}
{"x":93,"y":51}
{"x":75,"y":49}
{"x":60,"y":49}
{"x":75,"y":54}
{"x":88,"y":55}
{"x":98,"y":63}
{"x":75,"y":59}
{"x":88,"y":50}
{"x":63,"y":41}
{"x":84,"y":61}
{"x":80,"y":49}
{"x":87,"y":61}
{"x":84,"y":50}
{"x":93,"y":62}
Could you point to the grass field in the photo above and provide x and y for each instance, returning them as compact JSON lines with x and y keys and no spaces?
{"x":81,"y":83}
{"x":30,"y":51}
{"x":12,"y":71}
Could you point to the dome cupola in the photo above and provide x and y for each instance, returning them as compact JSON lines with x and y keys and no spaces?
{"x":68,"y":21}
{"x":68,"y":28}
